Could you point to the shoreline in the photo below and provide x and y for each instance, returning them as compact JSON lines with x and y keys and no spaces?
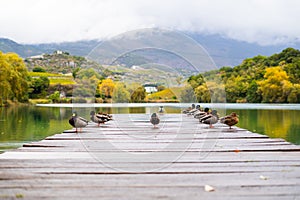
{"x":178,"y":105}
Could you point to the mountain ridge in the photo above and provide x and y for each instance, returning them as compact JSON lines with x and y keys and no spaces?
{"x":223,"y":51}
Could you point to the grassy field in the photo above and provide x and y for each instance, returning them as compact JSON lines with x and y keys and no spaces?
{"x":166,"y":94}
{"x":55,"y":78}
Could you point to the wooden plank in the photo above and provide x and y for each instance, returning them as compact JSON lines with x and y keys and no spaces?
{"x":129,"y":159}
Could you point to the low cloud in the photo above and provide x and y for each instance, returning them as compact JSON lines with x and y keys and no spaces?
{"x":255,"y":21}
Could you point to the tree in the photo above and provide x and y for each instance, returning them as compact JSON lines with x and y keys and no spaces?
{"x":202,"y":94}
{"x":39,"y":87}
{"x":275,"y":87}
{"x":187,"y":95}
{"x":253,"y":96}
{"x":74,"y":72}
{"x":138,"y":95}
{"x":106,"y":87}
{"x":236,"y":88}
{"x":120,"y":94}
{"x":87,"y":73}
{"x":5,"y":87}
{"x":38,"y":69}
{"x":13,"y":78}
{"x":294,"y":96}
{"x":55,"y":97}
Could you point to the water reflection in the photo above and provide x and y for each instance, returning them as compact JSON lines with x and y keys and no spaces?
{"x":274,"y":123}
{"x":29,"y":123}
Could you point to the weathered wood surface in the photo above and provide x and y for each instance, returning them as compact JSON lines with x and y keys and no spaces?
{"x":128,"y":159}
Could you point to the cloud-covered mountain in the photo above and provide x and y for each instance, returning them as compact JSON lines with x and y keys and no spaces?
{"x":223,"y":51}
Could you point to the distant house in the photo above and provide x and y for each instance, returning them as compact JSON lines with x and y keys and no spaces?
{"x":36,"y":57}
{"x":150,"y":88}
{"x":58,"y":52}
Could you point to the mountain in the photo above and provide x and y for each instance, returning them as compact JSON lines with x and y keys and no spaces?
{"x":78,"y":48}
{"x":229,"y":52}
{"x":7,"y":45}
{"x":223,"y":51}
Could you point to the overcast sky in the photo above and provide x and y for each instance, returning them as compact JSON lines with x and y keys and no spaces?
{"x":43,"y":21}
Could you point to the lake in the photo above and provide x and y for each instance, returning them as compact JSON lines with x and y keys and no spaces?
{"x":21,"y":124}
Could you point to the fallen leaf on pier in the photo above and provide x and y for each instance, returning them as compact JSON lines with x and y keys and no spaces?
{"x":237,"y":151}
{"x":263,"y":177}
{"x":209,"y":188}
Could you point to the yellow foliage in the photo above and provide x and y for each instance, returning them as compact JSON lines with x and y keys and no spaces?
{"x":106,"y":87}
{"x":168,"y":93}
{"x":276,"y":86}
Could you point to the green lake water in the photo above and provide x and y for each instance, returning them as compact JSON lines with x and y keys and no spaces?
{"x":22,"y":124}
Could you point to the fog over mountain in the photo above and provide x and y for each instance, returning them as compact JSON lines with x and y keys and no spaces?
{"x":223,"y":51}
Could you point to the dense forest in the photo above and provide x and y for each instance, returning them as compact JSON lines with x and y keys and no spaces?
{"x":261,"y":79}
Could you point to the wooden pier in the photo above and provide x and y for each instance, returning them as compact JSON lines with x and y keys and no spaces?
{"x":129,"y":159}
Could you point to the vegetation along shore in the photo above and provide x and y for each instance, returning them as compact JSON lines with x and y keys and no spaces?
{"x":63,"y":78}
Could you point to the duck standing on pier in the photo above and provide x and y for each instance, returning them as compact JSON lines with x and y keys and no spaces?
{"x":109,"y":116}
{"x":99,"y":118}
{"x":230,"y":120}
{"x":77,"y":122}
{"x":201,"y":114}
{"x":154,"y":119}
{"x":211,"y":118}
{"x":161,"y":109}
{"x":188,"y":109}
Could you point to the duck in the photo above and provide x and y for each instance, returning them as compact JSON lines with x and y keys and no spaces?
{"x":201,"y":114}
{"x":99,"y":118}
{"x":211,"y":118}
{"x":195,"y":110}
{"x":230,"y":120}
{"x":188,"y":109}
{"x":161,"y":109}
{"x":109,"y":116}
{"x":77,"y":121}
{"x":154,"y":119}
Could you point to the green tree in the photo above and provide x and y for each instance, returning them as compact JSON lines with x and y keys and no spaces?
{"x":187,"y":95}
{"x":38,"y":69}
{"x":236,"y":89}
{"x":294,"y":96}
{"x":55,"y":97}
{"x":87,"y":82}
{"x":120,"y":94}
{"x":253,"y":96}
{"x":39,"y":87}
{"x":138,"y":95}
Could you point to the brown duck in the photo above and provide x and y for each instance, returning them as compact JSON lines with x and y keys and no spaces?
{"x":230,"y":120}
{"x":154,"y":119}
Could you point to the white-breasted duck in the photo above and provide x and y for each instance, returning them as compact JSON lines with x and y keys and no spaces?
{"x":77,"y":121}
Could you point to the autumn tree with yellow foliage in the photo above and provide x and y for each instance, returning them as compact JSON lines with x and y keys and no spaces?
{"x":106,"y":88}
{"x":13,"y":78}
{"x":275,"y":87}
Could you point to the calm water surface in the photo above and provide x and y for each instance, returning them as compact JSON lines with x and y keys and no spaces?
{"x":23,"y":124}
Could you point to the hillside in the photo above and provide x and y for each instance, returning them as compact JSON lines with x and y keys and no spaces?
{"x":224,"y":51}
{"x":260,"y":79}
{"x":60,"y":62}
